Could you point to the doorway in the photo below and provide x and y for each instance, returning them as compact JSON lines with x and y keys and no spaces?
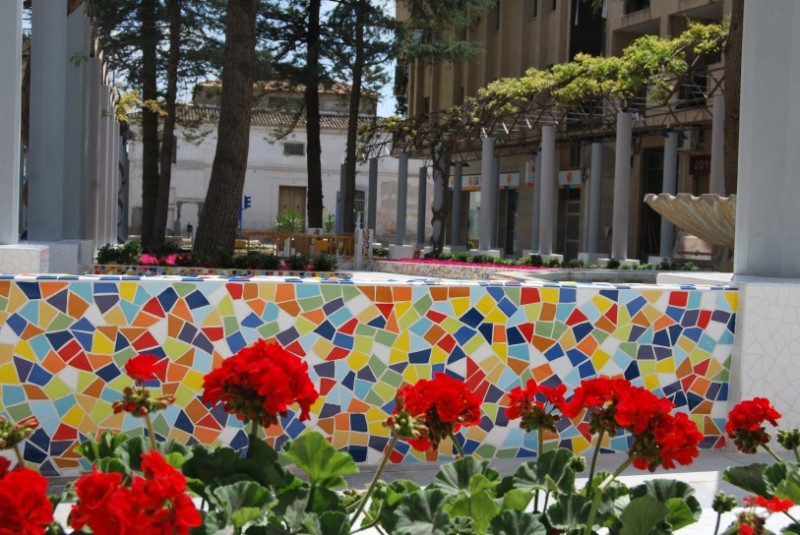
{"x":569,"y":222}
{"x":650,"y":224}
{"x":292,"y":198}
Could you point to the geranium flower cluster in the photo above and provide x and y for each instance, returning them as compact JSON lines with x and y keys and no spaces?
{"x":155,"y":503}
{"x":259,"y":383}
{"x":429,"y":411}
{"x":536,"y":405}
{"x":137,"y":399}
{"x":659,"y":437}
{"x":746,"y":423}
{"x":25,"y":508}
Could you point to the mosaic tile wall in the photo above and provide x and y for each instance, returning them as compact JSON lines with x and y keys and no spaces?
{"x":64,"y":340}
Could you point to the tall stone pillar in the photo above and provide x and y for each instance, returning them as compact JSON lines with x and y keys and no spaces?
{"x":340,"y":198}
{"x":595,"y":196}
{"x":487,"y":157}
{"x":767,"y":245}
{"x":47,"y":121}
{"x":76,"y":139}
{"x":439,"y":169}
{"x":421,"y":201}
{"x":402,"y":194}
{"x":458,"y":174}
{"x":537,"y":203}
{"x":91,"y":216}
{"x":622,"y":186}
{"x":548,"y":178}
{"x":10,"y":118}
{"x":669,"y":185}
{"x":717,"y":182}
{"x":372,"y":200}
{"x":494,"y":206}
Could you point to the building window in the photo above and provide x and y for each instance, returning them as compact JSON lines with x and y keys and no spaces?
{"x":533,"y":8}
{"x":294,"y":149}
{"x":632,"y":6}
{"x":359,"y":201}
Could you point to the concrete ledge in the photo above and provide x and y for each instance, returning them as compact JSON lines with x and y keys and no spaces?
{"x":24,"y":258}
{"x":494,"y":253}
{"x":401,"y":251}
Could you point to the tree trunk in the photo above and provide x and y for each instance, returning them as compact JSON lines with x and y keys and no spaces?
{"x":352,"y":121}
{"x":150,"y":37}
{"x":168,"y":134}
{"x":217,"y":227}
{"x":313,"y":146}
{"x":441,"y":176}
{"x":733,"y":84}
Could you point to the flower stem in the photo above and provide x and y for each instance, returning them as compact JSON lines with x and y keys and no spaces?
{"x":602,"y":487}
{"x":719,"y":520}
{"x":774,"y":455}
{"x":151,"y":435}
{"x":371,"y":489}
{"x":20,"y":458}
{"x":540,"y":443}
{"x":797,"y":455}
{"x":593,"y":465}
{"x":457,"y":445}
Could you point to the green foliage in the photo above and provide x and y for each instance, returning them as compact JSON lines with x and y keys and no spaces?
{"x":613,"y":263}
{"x":536,"y":260}
{"x":297,"y":262}
{"x":289,"y":221}
{"x":320,"y":461}
{"x":324,"y":263}
{"x":381,"y":252}
{"x":125,"y":254}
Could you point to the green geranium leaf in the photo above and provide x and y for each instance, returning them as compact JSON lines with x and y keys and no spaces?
{"x":516,"y":523}
{"x":478,"y":504}
{"x":112,"y":464}
{"x":103,"y":446}
{"x":130,"y":452}
{"x":421,"y":513}
{"x":222,"y":466}
{"x":242,"y":502}
{"x":554,"y":470}
{"x":569,"y":512}
{"x":792,"y":528}
{"x":642,"y":516}
{"x":517,"y":500}
{"x":324,"y":500}
{"x":749,"y":478}
{"x":683,"y":508}
{"x":456,"y":476}
{"x":789,"y":487}
{"x":323,"y":463}
{"x":388,"y":499}
{"x":334,"y":523}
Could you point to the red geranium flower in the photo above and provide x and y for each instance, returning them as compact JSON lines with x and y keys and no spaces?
{"x":599,"y":396}
{"x":773,"y":505}
{"x":142,"y":368}
{"x":678,"y":439}
{"x":430,"y":411}
{"x":535,"y":405}
{"x":746,"y":423}
{"x":745,"y":529}
{"x":259,"y":383}
{"x":25,"y":508}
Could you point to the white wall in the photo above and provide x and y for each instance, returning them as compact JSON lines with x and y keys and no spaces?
{"x":268,"y":169}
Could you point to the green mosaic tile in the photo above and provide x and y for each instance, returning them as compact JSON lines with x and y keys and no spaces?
{"x":160,"y":425}
{"x":451,"y":325}
{"x":331,"y":292}
{"x":559,"y":329}
{"x":231,"y":325}
{"x":84,"y":380}
{"x":3,"y":303}
{"x":513,"y":294}
{"x":599,"y":336}
{"x":474,"y":343}
{"x":376,"y":366}
{"x":56,"y":388}
{"x":173,"y":346}
{"x":486,"y":451}
{"x":62,"y":321}
{"x":629,"y":348}
{"x":310,"y":303}
{"x":363,"y":344}
{"x":19,"y":412}
{"x":423,"y":304}
{"x":225,"y":306}
{"x":304,"y":325}
{"x":392,"y":378}
{"x":647,"y":367}
{"x":365,"y":330}
{"x":183,"y":289}
{"x":101,"y":410}
{"x":408,"y":319}
{"x":544,"y":328}
{"x":268,"y":330}
{"x":697,"y":355}
{"x":507,"y":453}
{"x":184,"y":395}
{"x":350,"y":292}
{"x":623,"y":331}
{"x":384,"y":391}
{"x":385,"y":338}
{"x":124,"y":355}
{"x":374,"y":399}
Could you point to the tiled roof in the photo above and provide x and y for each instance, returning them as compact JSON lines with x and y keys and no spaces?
{"x":269,"y":118}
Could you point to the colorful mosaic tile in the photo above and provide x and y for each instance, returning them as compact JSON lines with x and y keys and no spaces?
{"x":64,"y":340}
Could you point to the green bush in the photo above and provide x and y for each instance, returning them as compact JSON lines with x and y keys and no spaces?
{"x":461,"y":256}
{"x":536,"y":260}
{"x":297,"y":262}
{"x":380,"y":251}
{"x":324,"y":262}
{"x":613,"y":264}
{"x":125,"y":254}
{"x":553,"y":263}
{"x":574,"y":264}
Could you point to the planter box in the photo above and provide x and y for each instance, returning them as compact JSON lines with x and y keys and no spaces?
{"x":188,"y":271}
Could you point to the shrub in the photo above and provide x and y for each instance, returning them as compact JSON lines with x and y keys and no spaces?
{"x":553,"y":263}
{"x":613,"y":264}
{"x":380,"y":251}
{"x":297,"y":262}
{"x":324,"y":263}
{"x":574,"y":264}
{"x":461,"y":256}
{"x":536,"y":260}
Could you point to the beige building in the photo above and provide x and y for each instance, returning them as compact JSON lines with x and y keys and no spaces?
{"x":518,"y":34}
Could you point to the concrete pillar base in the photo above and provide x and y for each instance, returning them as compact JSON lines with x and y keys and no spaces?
{"x":398,"y":252}
{"x":590,"y":258}
{"x":85,"y":255}
{"x":455,"y":249}
{"x":494,"y":253}
{"x":63,"y":257}
{"x":24,"y":258}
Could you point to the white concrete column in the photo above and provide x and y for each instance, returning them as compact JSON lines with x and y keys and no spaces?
{"x":10,"y":119}
{"x":94,"y":119}
{"x":487,"y":157}
{"x":124,"y":189}
{"x":537,"y":203}
{"x":402,"y":197}
{"x":372,"y":200}
{"x":767,"y":213}
{"x":439,"y":188}
{"x":669,"y":185}
{"x":75,"y":132}
{"x":495,"y":205}
{"x":547,"y":180}
{"x":422,"y":187}
{"x":47,"y":121}
{"x":102,"y":170}
{"x":622,"y":186}
{"x":595,"y":196}
{"x":717,"y":182}
{"x":456,"y":242}
{"x":113,"y":178}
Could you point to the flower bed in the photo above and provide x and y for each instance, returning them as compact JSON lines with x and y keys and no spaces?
{"x":146,"y":487}
{"x":151,"y":270}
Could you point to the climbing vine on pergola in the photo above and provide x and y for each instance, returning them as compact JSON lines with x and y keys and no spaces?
{"x":581,"y":97}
